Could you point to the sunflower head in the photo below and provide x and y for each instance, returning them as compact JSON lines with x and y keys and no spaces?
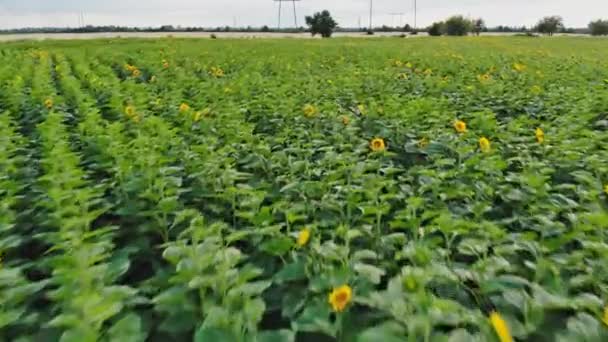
{"x":310,"y":111}
{"x":423,"y":143}
{"x":345,"y":120}
{"x":500,"y":327}
{"x":303,"y":237}
{"x":165,"y":64}
{"x":184,"y":107}
{"x":460,"y":126}
{"x":377,"y":145}
{"x":535,"y":89}
{"x":48,"y":103}
{"x":130,"y":110}
{"x":519,"y":67}
{"x":540,"y":135}
{"x":136,"y":73}
{"x":484,"y":144}
{"x":340,"y":297}
{"x":484,"y":77}
{"x":216,"y":72}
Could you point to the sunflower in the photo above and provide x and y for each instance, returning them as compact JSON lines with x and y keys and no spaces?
{"x":340,"y":297}
{"x":303,"y":237}
{"x":377,"y":145}
{"x":48,"y":103}
{"x":460,"y":126}
{"x":540,"y":135}
{"x":184,"y":107}
{"x":345,"y":120}
{"x":484,"y":144}
{"x":165,"y":64}
{"x":484,"y":78}
{"x":130,"y":110}
{"x":136,"y":73}
{"x":310,"y":111}
{"x":519,"y":67}
{"x":216,"y":72}
{"x":500,"y":327}
{"x":423,"y":143}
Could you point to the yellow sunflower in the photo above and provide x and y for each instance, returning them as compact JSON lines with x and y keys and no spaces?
{"x":540,"y":135}
{"x":48,"y":103}
{"x":310,"y":111}
{"x":340,"y":297}
{"x":460,"y":126}
{"x":377,"y":145}
{"x":184,"y":107}
{"x":519,"y":67}
{"x":303,"y":237}
{"x":484,"y":144}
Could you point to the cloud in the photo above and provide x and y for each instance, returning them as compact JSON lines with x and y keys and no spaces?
{"x":24,"y":13}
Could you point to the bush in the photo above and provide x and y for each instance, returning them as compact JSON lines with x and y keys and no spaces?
{"x":457,"y":26}
{"x":599,"y":27}
{"x":321,"y":23}
{"x":550,"y":25}
{"x":436,"y":29}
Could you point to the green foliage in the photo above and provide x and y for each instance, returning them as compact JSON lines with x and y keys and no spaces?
{"x":167,"y":204}
{"x":599,"y":27}
{"x":436,"y":29}
{"x":458,"y":26}
{"x":550,"y":25}
{"x":321,"y":23}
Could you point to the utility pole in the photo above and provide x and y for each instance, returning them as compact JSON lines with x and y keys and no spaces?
{"x":295,"y":16}
{"x":415,"y":14}
{"x":371,"y":7}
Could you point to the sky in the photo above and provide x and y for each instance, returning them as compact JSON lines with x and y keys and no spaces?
{"x":348,"y":13}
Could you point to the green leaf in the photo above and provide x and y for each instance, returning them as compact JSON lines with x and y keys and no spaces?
{"x":209,"y":334}
{"x":127,"y":329}
{"x":276,"y":336}
{"x":291,"y":272}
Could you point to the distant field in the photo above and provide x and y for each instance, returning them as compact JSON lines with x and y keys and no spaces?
{"x":68,"y":36}
{"x":304,"y":190}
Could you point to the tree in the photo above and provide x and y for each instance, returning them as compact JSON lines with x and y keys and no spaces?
{"x":321,"y":23}
{"x":599,"y":27}
{"x":478,"y":25}
{"x":550,"y":25}
{"x":407,"y":28}
{"x":457,"y":26}
{"x":436,"y":29}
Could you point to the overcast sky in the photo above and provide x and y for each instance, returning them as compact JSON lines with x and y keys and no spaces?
{"x":207,"y":13}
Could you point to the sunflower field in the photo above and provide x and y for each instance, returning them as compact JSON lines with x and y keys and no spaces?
{"x":259,"y":190}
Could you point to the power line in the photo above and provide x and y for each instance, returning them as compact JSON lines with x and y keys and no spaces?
{"x":400,"y":18}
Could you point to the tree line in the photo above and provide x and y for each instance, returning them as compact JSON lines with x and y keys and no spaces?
{"x":323,"y":24}
{"x":460,"y":26}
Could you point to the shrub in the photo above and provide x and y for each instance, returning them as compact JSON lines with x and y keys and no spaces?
{"x":321,"y":23}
